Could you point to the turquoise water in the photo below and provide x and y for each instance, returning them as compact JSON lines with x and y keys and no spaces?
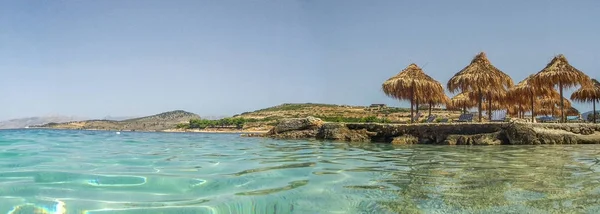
{"x":102,"y":172}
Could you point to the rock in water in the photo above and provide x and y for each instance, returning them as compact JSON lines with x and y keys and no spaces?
{"x":405,"y":140}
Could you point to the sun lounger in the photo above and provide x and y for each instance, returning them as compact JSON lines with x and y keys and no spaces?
{"x":498,"y":116}
{"x":574,"y":119}
{"x":431,"y":118}
{"x":548,"y":119}
{"x":465,"y":118}
{"x":416,"y":118}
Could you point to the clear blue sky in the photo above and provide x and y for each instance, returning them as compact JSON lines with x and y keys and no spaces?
{"x":140,"y":57}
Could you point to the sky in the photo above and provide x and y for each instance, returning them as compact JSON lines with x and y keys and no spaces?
{"x":141,"y":57}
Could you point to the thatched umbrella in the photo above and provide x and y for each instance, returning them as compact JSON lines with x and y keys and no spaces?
{"x":589,"y":93}
{"x":518,"y":111}
{"x":440,"y":99}
{"x":414,"y":85}
{"x":462,"y":101}
{"x":482,"y":77}
{"x":560,"y":73}
{"x":572,"y":111}
{"x":496,"y":99}
{"x":550,"y":104}
{"x":525,"y":94}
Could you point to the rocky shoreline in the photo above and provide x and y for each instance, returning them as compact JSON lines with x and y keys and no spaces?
{"x":507,"y":133}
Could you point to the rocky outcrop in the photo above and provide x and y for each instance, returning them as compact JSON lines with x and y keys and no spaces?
{"x":570,"y":133}
{"x":341,"y":132}
{"x":296,"y":124}
{"x":516,"y":133}
{"x":296,"y":128}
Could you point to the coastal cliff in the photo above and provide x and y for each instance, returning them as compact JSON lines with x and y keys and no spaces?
{"x":514,"y":133}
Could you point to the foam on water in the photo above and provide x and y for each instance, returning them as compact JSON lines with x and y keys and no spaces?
{"x":99,"y":172}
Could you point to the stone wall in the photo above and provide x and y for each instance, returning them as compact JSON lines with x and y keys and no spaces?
{"x":439,"y":133}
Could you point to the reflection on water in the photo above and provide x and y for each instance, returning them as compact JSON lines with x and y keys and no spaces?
{"x":99,"y":172}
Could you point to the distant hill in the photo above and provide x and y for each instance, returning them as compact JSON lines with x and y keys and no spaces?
{"x":297,"y":110}
{"x":118,"y":118}
{"x":585,"y":115}
{"x":267,"y":117}
{"x":158,"y":122}
{"x":32,"y":121}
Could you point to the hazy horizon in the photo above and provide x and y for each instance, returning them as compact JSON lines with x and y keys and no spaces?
{"x":136,"y":58}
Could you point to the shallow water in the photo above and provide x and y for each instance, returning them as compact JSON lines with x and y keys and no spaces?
{"x":101,"y":172}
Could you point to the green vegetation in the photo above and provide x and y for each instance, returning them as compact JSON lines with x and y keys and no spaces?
{"x":590,"y":116}
{"x":394,"y":110}
{"x":236,"y":122}
{"x":229,"y":122}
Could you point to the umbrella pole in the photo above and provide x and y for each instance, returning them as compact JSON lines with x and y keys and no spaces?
{"x":430,"y":104}
{"x":519,"y":111}
{"x":412,"y":97}
{"x":562,"y":103}
{"x":594,"y":110}
{"x":532,"y":108}
{"x":464,"y":108}
{"x":479,"y":104}
{"x":490,"y":106}
{"x":417,"y":109}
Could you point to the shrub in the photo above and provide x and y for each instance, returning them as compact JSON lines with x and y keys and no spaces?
{"x":180,"y":126}
{"x":590,"y":116}
{"x":238,"y":122}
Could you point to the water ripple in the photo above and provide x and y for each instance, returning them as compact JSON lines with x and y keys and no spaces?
{"x":100,"y":172}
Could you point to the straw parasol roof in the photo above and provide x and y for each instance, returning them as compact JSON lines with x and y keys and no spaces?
{"x":496,"y":98}
{"x":414,"y":85}
{"x":442,"y":99}
{"x":589,"y":93}
{"x":480,"y":76}
{"x":525,"y":89}
{"x":550,"y":101}
{"x":558,"y":72}
{"x":525,"y":93}
{"x":462,"y":101}
{"x":571,"y":111}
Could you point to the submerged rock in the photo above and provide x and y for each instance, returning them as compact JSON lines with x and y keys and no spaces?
{"x":339,"y":131}
{"x":516,"y":133}
{"x":477,"y":139}
{"x":405,"y":140}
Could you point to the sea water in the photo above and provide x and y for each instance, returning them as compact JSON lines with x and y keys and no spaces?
{"x":99,"y":172}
